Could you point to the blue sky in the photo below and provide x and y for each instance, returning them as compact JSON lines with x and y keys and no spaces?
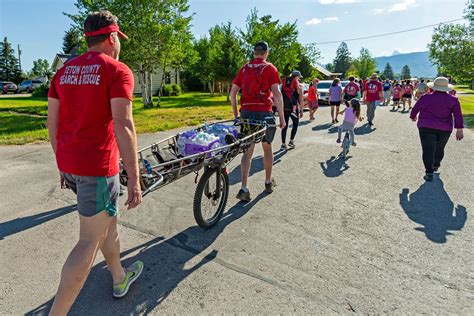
{"x":39,"y":25}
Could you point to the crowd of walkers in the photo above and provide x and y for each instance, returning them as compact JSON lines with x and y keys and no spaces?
{"x":91,"y":127}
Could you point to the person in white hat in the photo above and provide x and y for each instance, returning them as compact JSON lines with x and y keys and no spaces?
{"x":437,"y":113}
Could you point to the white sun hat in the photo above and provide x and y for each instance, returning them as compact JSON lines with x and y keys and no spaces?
{"x":440,"y":84}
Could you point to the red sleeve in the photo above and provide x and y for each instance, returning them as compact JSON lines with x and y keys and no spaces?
{"x":122,"y":83}
{"x":53,"y":93}
{"x":238,"y":79}
{"x":274,"y":77}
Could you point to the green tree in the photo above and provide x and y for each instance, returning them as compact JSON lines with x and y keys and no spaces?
{"x":469,"y":15}
{"x":452,"y":50}
{"x":200,"y":69}
{"x":282,"y":39}
{"x":72,"y":39}
{"x":388,"y":72}
{"x":226,"y":54}
{"x":308,"y":56}
{"x":405,"y":74}
{"x":342,"y":61}
{"x":159,"y":32}
{"x":330,"y":67}
{"x":41,"y":68}
{"x":9,"y":67}
{"x":364,"y":65}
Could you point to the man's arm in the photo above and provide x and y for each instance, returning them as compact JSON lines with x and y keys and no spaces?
{"x":53,"y":112}
{"x":127,"y":142}
{"x":278,"y":99}
{"x":233,"y":99}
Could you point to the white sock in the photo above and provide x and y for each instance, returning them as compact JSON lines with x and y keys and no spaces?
{"x":245,"y":189}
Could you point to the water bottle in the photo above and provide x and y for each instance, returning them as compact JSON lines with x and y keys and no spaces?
{"x":147,"y":165}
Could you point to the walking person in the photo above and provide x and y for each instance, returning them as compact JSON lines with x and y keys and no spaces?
{"x":436,"y":113}
{"x":421,"y":89}
{"x":387,"y":86}
{"x":351,"y":116}
{"x":407,"y":94}
{"x":397,"y":95}
{"x":258,"y":80}
{"x":335,"y":97}
{"x":90,"y":125}
{"x":373,"y":93}
{"x":293,"y":107}
{"x":313,"y":96}
{"x":351,"y":90}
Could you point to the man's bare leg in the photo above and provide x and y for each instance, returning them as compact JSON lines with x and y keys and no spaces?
{"x":245,"y":165}
{"x":267,"y":161}
{"x":93,"y":231}
{"x":111,"y":251}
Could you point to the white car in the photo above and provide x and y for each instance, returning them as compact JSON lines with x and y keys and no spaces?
{"x":323,"y":90}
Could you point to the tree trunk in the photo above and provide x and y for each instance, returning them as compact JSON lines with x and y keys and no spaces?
{"x":143,"y":86}
{"x":228,"y":84}
{"x":149,"y":88}
{"x":212,"y":87}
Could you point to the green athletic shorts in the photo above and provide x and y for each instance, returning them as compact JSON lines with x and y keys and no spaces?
{"x":95,"y":194}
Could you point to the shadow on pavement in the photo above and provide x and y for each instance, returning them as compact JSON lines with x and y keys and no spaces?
{"x":23,"y":223}
{"x":321,"y":127}
{"x":431,"y":207}
{"x":335,"y":167}
{"x":256,"y":166}
{"x":364,"y":129}
{"x":167,"y":263}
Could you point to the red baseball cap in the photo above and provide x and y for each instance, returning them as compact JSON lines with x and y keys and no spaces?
{"x":107,"y":30}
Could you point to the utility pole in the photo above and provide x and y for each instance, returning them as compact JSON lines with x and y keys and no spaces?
{"x":19,"y":57}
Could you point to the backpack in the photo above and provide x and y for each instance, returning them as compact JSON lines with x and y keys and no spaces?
{"x":290,"y":96}
{"x":252,"y":81}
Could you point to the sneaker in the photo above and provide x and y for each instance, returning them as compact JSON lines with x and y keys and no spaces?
{"x":294,"y":114}
{"x":243,"y":196}
{"x":333,"y":121}
{"x":336,"y":120}
{"x":284,"y":147}
{"x":270,"y":186}
{"x":132,"y":273}
{"x":354,"y":144}
{"x":370,"y":123}
{"x":436,"y":169}
{"x":338,"y":141}
{"x":428,"y":177}
{"x":291,"y":145}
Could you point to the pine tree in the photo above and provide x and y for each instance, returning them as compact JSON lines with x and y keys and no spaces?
{"x":9,"y":67}
{"x":342,"y":61}
{"x":388,"y":72}
{"x":405,"y":72}
{"x":71,"y":40}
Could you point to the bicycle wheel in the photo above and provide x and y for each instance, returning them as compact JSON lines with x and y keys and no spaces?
{"x":345,"y":145}
{"x":209,"y":201}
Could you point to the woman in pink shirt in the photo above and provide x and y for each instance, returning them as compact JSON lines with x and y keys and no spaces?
{"x":407,"y":94}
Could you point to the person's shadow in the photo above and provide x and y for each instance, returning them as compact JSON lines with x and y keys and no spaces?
{"x":431,"y":207}
{"x":321,"y":127}
{"x":167,"y":263}
{"x":256,"y":166}
{"x":23,"y":223}
{"x":364,"y":129}
{"x":334,"y":167}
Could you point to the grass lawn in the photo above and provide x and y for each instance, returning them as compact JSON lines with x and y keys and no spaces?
{"x":189,"y":109}
{"x":467,"y":105}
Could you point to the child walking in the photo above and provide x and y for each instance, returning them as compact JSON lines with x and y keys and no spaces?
{"x":351,"y":116}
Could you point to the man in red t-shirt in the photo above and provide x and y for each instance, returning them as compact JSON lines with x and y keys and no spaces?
{"x":373,"y":93}
{"x":259,"y":82}
{"x":90,"y":123}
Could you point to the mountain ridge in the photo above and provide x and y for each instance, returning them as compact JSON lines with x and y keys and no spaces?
{"x":419,"y":63}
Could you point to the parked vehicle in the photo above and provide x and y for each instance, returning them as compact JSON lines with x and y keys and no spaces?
{"x":323,"y":89}
{"x":8,"y":86}
{"x":29,"y":86}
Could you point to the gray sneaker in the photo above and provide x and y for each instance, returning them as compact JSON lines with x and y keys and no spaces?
{"x":132,"y":273}
{"x":244,"y":196}
{"x":291,"y":145}
{"x":270,"y":186}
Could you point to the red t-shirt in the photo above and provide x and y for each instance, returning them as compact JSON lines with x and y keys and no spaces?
{"x":373,"y":89}
{"x":312,"y":93}
{"x":86,"y":144}
{"x":352,"y":88}
{"x":397,"y":92}
{"x":268,"y":76}
{"x":408,"y":89}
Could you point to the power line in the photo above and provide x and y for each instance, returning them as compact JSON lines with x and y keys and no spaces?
{"x":386,"y":34}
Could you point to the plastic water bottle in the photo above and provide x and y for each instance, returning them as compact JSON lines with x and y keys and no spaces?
{"x":147,"y":165}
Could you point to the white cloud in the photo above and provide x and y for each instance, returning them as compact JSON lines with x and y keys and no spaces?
{"x":331,"y":19}
{"x":336,"y":1}
{"x":313,"y":21}
{"x":378,"y":11}
{"x":402,"y":5}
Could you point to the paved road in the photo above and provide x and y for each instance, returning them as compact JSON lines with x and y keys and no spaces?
{"x":366,"y":235}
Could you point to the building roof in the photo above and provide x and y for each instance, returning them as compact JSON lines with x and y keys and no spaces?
{"x":61,"y":59}
{"x":326,"y":72}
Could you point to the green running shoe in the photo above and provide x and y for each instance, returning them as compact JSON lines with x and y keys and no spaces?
{"x":132,"y":273}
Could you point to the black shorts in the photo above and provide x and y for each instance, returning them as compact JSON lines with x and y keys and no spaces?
{"x":407,"y":96}
{"x":336,"y":103}
{"x":348,"y":97}
{"x":396,"y":99}
{"x":259,"y":116}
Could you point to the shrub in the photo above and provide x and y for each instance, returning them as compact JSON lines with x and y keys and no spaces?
{"x":167,"y":91}
{"x":41,"y":91}
{"x":176,"y":90}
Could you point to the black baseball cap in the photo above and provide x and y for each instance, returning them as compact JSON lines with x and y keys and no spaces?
{"x":262,"y":46}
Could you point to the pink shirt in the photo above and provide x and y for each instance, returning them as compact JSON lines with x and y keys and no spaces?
{"x":352,"y":88}
{"x":373,"y":89}
{"x":349,"y":116}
